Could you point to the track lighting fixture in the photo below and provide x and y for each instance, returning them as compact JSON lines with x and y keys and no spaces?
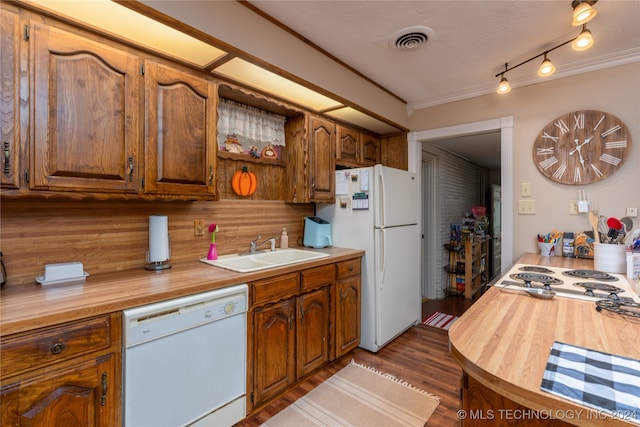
{"x":584,"y":41}
{"x":546,"y":68}
{"x":583,"y":11}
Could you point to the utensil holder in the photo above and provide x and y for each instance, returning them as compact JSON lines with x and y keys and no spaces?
{"x":609,"y":258}
{"x":546,"y":248}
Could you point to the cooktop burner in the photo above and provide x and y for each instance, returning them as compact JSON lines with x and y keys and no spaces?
{"x":590,"y":274}
{"x":595,"y":286}
{"x":527,"y":278}
{"x":627,"y":308}
{"x":535,"y":269}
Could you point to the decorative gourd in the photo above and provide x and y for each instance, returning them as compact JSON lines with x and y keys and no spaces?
{"x":244,"y":182}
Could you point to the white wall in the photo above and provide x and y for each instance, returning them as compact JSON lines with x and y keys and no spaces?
{"x":615,"y":90}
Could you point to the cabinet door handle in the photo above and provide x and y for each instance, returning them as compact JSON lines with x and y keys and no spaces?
{"x":103,"y":398}
{"x":7,"y":157}
{"x":131,"y":168}
{"x":57,"y":348}
{"x":210,"y":174}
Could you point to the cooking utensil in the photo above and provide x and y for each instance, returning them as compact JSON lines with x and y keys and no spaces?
{"x":593,"y":220}
{"x":615,"y":226}
{"x":627,"y":222}
{"x":534,"y":292}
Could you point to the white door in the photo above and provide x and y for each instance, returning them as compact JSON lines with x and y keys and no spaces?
{"x":397,"y":253}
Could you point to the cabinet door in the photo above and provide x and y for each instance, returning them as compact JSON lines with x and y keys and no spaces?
{"x":313,"y":331}
{"x":274,"y":349}
{"x":370,"y":151}
{"x":321,"y":160}
{"x":86,"y":109}
{"x":10,"y":112}
{"x":347,"y":146}
{"x":78,"y":396}
{"x":347,"y":315}
{"x":180,"y":132}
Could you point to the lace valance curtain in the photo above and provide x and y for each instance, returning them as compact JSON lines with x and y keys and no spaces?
{"x":249,"y":126}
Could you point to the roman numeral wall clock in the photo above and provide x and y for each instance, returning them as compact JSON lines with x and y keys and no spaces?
{"x":582,"y":147}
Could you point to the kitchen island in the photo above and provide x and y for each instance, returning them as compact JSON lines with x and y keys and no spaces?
{"x":502,"y":343}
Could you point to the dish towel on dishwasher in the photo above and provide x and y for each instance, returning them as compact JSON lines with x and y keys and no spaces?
{"x":601,"y":381}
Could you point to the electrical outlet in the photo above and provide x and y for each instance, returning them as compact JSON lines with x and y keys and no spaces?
{"x":198,"y":227}
{"x":631,"y":212}
{"x":573,"y":207}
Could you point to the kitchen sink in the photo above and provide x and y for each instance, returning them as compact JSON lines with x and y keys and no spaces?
{"x":246,"y":263}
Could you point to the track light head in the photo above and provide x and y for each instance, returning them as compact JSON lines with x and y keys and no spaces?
{"x":504,"y":87}
{"x":584,"y":41}
{"x":583,"y":11}
{"x":546,"y":68}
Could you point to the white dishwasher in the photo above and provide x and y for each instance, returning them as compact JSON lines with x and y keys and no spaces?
{"x":185,"y":360}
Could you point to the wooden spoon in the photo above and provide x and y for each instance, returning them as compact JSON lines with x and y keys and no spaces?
{"x":593,"y":219}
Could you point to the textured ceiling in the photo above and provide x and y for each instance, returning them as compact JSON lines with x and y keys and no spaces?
{"x":469,"y":41}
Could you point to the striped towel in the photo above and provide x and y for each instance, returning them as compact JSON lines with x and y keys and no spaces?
{"x":601,"y":381}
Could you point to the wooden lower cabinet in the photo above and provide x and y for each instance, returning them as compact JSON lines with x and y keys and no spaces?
{"x":68,"y":375}
{"x":312,"y":342}
{"x":484,"y":407}
{"x":274,"y":364}
{"x":297,"y":324}
{"x":78,"y":396}
{"x":347,"y":306}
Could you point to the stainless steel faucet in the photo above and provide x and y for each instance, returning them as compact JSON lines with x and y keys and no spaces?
{"x":253,"y":246}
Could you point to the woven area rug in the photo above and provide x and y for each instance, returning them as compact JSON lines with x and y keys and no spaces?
{"x":440,"y":320}
{"x":359,"y":396}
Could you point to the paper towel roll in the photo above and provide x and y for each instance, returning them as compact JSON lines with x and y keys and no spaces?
{"x":158,"y":238}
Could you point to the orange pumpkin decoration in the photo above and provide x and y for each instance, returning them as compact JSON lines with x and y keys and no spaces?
{"x":244,"y":182}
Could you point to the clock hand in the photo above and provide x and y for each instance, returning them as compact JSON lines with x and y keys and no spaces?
{"x":578,"y":147}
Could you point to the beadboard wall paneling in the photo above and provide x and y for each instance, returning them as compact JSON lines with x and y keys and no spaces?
{"x":461,"y":184}
{"x":110,"y":236}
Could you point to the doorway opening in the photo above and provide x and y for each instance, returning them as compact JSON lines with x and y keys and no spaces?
{"x":428,"y":166}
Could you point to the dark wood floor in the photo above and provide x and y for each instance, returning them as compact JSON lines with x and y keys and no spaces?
{"x":419,"y":356}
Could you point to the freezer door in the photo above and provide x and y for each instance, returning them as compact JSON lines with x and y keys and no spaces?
{"x":397,"y":253}
{"x":396,"y":197}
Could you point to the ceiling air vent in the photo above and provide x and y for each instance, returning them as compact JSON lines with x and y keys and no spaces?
{"x":411,"y":38}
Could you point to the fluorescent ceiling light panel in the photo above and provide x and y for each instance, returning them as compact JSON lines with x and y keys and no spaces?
{"x":351,"y":115}
{"x":128,"y":24}
{"x":259,"y":78}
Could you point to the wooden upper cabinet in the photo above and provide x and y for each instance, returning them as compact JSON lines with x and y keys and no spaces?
{"x":311,"y":147}
{"x":356,"y":148}
{"x":347,"y":146}
{"x":180,"y":132}
{"x":321,"y":160}
{"x":10,"y":113}
{"x":370,"y":151}
{"x":394,"y":151}
{"x":86,"y":109}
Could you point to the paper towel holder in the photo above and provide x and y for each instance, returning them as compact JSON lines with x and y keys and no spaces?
{"x":159,"y":250}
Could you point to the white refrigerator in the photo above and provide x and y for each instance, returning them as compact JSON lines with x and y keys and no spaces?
{"x":377,"y":210}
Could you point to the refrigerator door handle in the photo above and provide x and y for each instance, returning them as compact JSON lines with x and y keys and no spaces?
{"x":383,"y":257}
{"x":380,"y":202}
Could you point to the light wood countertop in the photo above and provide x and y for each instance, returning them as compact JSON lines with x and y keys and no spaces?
{"x":26,"y":307}
{"x":503,"y":341}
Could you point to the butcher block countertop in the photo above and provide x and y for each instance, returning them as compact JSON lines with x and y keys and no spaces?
{"x":503,"y":341}
{"x":26,"y":307}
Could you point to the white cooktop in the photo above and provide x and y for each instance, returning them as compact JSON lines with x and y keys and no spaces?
{"x":564,"y":285}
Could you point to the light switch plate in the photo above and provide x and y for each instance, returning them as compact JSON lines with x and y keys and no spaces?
{"x":525,"y":189}
{"x":631,"y":212}
{"x":527,"y":206}
{"x":573,"y":207}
